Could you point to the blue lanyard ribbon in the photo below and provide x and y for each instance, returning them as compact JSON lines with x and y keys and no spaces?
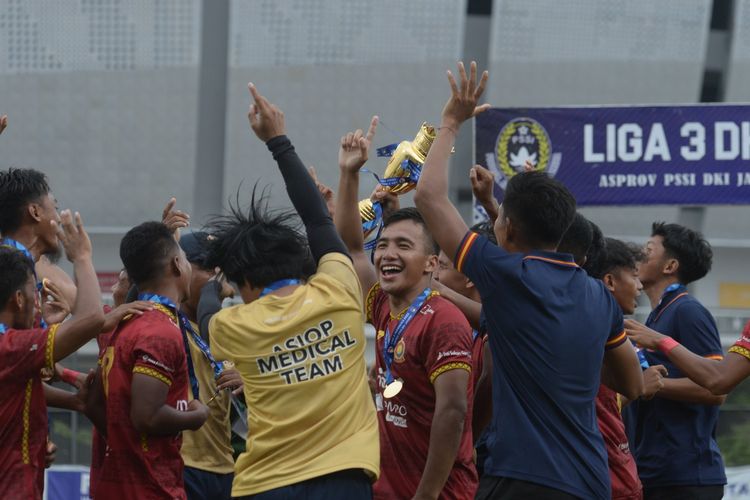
{"x":390,"y":341}
{"x":10,"y":242}
{"x":2,"y":329}
{"x":375,"y":224}
{"x":278,"y":284}
{"x":186,"y":329}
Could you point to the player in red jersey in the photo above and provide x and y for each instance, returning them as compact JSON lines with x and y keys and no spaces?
{"x":26,"y":351}
{"x":423,"y":343}
{"x":146,"y":375}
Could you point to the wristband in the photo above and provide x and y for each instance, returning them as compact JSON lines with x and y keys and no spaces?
{"x":69,"y":376}
{"x":667,"y":344}
{"x":455,"y":132}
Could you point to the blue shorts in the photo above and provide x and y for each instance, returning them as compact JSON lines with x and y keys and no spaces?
{"x":351,"y":484}
{"x":202,"y":484}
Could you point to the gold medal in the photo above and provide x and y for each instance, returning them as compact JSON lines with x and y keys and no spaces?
{"x":393,"y":388}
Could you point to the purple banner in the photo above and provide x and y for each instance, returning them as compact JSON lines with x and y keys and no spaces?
{"x":644,"y":155}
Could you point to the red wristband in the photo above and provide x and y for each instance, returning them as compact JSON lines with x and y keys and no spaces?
{"x":667,"y":344}
{"x":69,"y":376}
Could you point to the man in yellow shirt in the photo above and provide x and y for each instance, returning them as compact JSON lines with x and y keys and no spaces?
{"x":207,"y":452}
{"x":298,"y":341}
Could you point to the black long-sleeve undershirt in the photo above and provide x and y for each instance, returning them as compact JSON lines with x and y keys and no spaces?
{"x":307,"y":201}
{"x":208,"y":305}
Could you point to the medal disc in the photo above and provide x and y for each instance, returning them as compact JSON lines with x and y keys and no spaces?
{"x":393,"y":388}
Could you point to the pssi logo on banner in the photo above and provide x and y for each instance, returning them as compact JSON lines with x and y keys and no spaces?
{"x":521,"y":140}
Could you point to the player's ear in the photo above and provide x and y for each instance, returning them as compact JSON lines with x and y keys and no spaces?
{"x":609,"y":282}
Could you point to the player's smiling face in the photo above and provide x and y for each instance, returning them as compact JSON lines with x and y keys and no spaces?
{"x":402,"y":260}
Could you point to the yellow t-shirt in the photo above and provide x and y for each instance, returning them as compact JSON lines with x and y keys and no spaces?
{"x":302,"y":360}
{"x":209,"y":448}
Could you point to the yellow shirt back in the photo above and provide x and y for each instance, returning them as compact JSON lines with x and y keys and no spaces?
{"x":302,"y":360}
{"x":209,"y":448}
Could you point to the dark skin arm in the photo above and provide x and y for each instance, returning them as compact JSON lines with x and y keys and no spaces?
{"x":87,"y":315}
{"x":687,"y":391}
{"x":718,"y":377}
{"x":442,"y":218}
{"x":151,"y":415}
{"x":621,"y":371}
{"x":60,"y":398}
{"x":352,"y":156}
{"x":445,"y":434}
{"x":471,"y":308}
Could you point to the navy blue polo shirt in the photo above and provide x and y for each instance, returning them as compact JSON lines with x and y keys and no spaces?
{"x":548,"y":327}
{"x":674,"y":443}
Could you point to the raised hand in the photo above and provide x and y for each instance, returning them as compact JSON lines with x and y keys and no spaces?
{"x":73,"y":237}
{"x":266,"y":119}
{"x":462,"y":104}
{"x":388,"y":200}
{"x":3,"y":123}
{"x":482,"y":184}
{"x":174,"y":219}
{"x":355,"y":147}
{"x":54,"y":306}
{"x":325,"y":191}
{"x":643,"y":335}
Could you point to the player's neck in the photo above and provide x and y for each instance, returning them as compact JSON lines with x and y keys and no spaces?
{"x":165,"y":289}
{"x":190,"y":310}
{"x":26,"y":237}
{"x":399,"y":302}
{"x":655,"y":290}
{"x":7,"y":318}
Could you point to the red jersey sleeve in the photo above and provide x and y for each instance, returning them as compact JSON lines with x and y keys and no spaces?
{"x":159,"y":354}
{"x":449,"y":343}
{"x":376,"y":307}
{"x":742,"y":346}
{"x":25,"y":352}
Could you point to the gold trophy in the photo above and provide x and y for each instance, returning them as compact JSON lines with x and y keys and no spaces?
{"x":414,"y":152}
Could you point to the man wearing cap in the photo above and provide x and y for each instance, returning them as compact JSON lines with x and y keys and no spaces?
{"x":207,"y":452}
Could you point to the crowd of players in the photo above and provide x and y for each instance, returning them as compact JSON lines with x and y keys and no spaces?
{"x":504,"y":367}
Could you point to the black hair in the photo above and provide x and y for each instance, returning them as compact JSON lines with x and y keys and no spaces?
{"x":577,"y":239}
{"x":412,"y":214}
{"x":614,"y":255}
{"x":485,"y":229}
{"x":18,"y":188}
{"x":689,"y":247}
{"x":596,"y":249}
{"x":144,"y":251}
{"x":259,"y":246}
{"x":540,"y":207}
{"x":15,"y":269}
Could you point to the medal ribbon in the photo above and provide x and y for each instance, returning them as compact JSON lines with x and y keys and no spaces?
{"x":186,"y":329}
{"x":376,"y":223}
{"x":278,"y":284}
{"x":10,"y":242}
{"x":390,"y":341}
{"x":2,"y":329}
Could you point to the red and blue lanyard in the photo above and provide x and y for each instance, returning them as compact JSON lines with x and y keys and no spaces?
{"x":390,"y":341}
{"x":187,"y":329}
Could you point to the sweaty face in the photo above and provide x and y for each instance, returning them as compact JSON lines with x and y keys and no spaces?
{"x":47,"y":232}
{"x":447,"y":275}
{"x":655,"y":258}
{"x":402,"y":260}
{"x":626,"y":287}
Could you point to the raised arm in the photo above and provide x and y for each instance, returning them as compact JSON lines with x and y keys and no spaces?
{"x":87,"y":314}
{"x":352,"y":156}
{"x":442,"y":218}
{"x":267,"y":121}
{"x":718,"y":377}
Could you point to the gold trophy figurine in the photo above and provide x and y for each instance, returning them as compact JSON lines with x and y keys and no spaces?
{"x":415,"y":151}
